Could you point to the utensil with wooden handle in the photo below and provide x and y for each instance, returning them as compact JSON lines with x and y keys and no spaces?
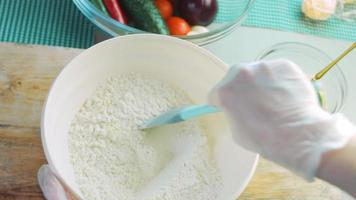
{"x":321,"y":73}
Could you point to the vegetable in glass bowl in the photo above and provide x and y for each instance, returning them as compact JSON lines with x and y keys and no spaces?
{"x":218,"y":17}
{"x":198,"y":12}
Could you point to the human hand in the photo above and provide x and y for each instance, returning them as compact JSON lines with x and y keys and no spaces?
{"x":274,"y":111}
{"x":51,"y":187}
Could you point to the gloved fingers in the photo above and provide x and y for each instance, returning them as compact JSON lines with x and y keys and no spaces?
{"x":235,"y":76}
{"x":289,"y":71}
{"x":281,"y":73}
{"x":279,"y":69}
{"x":51,"y":187}
{"x":284,"y":76}
{"x":290,"y":76}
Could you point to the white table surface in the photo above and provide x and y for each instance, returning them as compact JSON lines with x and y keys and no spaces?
{"x":245,"y":43}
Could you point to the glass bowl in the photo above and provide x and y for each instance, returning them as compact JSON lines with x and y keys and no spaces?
{"x":230,"y":15}
{"x":333,"y":86}
{"x":346,"y":10}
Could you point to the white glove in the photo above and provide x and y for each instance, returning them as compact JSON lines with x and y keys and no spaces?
{"x":274,"y":111}
{"x":51,"y":187}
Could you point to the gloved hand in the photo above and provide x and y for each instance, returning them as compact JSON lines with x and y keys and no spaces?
{"x":51,"y":187}
{"x":274,"y":111}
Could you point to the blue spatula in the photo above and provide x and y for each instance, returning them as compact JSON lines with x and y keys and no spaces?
{"x":180,"y":114}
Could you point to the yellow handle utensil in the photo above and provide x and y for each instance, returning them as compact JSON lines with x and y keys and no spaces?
{"x":320,"y":74}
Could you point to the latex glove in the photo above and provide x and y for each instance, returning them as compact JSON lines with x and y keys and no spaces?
{"x":274,"y":111}
{"x":51,"y":187}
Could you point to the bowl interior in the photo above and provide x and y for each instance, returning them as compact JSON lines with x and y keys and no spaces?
{"x":230,"y":14}
{"x":181,"y":63}
{"x":312,"y":60}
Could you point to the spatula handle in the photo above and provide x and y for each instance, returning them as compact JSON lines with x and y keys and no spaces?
{"x":198,"y":110}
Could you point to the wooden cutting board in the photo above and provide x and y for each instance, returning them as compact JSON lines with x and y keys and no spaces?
{"x":26,"y":73}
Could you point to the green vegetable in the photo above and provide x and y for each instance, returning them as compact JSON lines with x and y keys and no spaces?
{"x":100,"y":5}
{"x":321,"y":97}
{"x":320,"y":93}
{"x":145,"y":15}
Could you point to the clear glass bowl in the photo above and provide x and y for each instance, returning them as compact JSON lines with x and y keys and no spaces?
{"x":230,"y":15}
{"x":346,"y":11}
{"x":312,"y":60}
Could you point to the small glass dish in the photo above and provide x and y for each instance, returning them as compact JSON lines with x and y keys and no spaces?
{"x":346,"y":10}
{"x":333,"y":86}
{"x":230,"y":15}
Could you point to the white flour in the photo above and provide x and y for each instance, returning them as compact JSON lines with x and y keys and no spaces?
{"x":113,"y":159}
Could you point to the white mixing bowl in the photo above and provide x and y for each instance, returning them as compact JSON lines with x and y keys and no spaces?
{"x":182,"y":63}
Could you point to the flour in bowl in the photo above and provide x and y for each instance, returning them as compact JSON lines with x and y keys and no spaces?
{"x":113,"y":159}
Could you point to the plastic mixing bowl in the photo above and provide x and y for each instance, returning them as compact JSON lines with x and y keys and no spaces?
{"x":312,"y":60}
{"x":178,"y":62}
{"x":230,"y":14}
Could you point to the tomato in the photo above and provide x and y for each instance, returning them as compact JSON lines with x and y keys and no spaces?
{"x":177,"y":26}
{"x":165,"y":8}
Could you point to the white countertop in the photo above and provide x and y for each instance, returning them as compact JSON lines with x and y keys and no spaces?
{"x":245,"y":43}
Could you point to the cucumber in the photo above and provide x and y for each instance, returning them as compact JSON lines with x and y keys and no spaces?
{"x":145,"y":15}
